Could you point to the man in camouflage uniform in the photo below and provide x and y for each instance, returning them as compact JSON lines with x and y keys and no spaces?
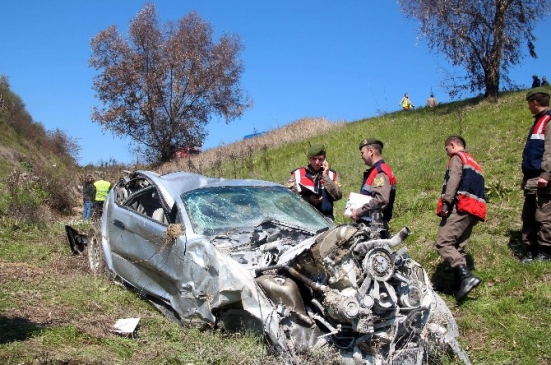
{"x":461,"y":206}
{"x":317,"y":183}
{"x":536,"y":170}
{"x":378,"y":182}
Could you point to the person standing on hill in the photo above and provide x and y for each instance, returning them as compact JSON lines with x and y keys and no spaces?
{"x":544,"y":81}
{"x":406,"y":103}
{"x":461,"y":205}
{"x":535,"y":81}
{"x":102,"y":189}
{"x":378,"y":182}
{"x":317,"y":183}
{"x":88,"y":196}
{"x":431,"y":101}
{"x":536,"y":171}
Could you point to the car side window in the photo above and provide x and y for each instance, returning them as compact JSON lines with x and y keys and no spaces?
{"x":147,"y":202}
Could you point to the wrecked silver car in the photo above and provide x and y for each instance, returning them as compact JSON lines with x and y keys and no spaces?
{"x":247,"y":254}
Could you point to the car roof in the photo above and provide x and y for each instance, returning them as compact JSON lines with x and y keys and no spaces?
{"x":177,"y":183}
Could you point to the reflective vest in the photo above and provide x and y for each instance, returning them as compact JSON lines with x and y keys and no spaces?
{"x":314,"y":186}
{"x":102,"y":189}
{"x":405,"y":103}
{"x":535,"y":145}
{"x":469,"y":197}
{"x":367,"y":186}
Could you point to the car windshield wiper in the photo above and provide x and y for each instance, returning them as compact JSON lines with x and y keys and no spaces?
{"x":275,"y":222}
{"x":322,"y":230}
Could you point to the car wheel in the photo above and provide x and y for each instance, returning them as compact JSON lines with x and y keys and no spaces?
{"x":96,"y":257}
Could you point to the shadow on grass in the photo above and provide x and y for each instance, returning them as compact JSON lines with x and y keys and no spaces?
{"x":515,"y":244}
{"x":16,"y":329}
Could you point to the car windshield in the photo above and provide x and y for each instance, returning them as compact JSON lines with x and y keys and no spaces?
{"x":214,"y":210}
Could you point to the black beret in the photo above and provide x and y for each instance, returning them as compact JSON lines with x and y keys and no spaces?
{"x":369,"y":142}
{"x":537,"y":90}
{"x":316,"y":149}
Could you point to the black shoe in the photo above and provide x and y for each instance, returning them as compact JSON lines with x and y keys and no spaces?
{"x":529,"y":257}
{"x":542,"y":257}
{"x":467,"y":282}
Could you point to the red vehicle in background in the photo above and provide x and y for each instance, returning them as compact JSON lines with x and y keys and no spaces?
{"x":186,"y":152}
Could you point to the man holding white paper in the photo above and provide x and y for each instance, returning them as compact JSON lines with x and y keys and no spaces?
{"x":379,"y":183}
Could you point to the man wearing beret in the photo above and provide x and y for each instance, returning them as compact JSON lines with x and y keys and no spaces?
{"x":317,"y":183}
{"x":536,"y":170}
{"x":378,"y":182}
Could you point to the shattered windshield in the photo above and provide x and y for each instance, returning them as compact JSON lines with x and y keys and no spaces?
{"x":218,"y":209}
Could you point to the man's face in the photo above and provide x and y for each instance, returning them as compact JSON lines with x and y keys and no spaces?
{"x":450,"y":149}
{"x":317,"y":162}
{"x":533,"y":106}
{"x":367,"y":155}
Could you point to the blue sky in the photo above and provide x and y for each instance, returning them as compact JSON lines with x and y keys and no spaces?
{"x":341,"y":60}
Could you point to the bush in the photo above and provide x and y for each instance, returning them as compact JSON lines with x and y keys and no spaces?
{"x":24,"y":199}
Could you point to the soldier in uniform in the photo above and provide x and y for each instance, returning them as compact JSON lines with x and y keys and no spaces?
{"x":378,"y":182}
{"x":536,"y":170}
{"x":461,"y":206}
{"x":317,"y":183}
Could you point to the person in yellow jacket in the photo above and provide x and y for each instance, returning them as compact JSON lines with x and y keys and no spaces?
{"x":406,"y":103}
{"x":102,"y":189}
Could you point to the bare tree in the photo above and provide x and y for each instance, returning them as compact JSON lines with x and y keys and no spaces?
{"x":483,"y":36}
{"x":162,"y":84}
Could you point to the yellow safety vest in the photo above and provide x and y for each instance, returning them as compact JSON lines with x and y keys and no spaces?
{"x":102,"y":189}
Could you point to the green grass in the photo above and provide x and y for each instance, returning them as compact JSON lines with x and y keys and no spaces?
{"x":64,"y":314}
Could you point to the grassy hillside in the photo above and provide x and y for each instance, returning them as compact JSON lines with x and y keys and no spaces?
{"x":53,"y":312}
{"x":37,"y":166}
{"x":506,"y":319}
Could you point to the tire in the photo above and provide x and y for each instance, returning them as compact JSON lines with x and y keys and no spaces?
{"x":96,"y":256}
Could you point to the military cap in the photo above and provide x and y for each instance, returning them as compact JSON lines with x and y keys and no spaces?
{"x":316,"y":149}
{"x":369,"y":142}
{"x":537,"y":90}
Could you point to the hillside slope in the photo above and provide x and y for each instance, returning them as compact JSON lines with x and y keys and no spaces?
{"x":505,"y":320}
{"x":36,"y":166}
{"x":53,"y":311}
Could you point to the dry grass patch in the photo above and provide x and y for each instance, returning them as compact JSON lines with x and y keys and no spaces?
{"x":293,"y":132}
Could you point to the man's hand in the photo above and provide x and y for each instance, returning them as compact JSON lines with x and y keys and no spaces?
{"x":354,"y":215}
{"x":315,"y":200}
{"x":542,"y":183}
{"x":444,"y":211}
{"x":325,"y":167}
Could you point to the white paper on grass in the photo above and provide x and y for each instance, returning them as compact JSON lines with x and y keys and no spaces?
{"x":125,"y":326}
{"x":355,"y":201}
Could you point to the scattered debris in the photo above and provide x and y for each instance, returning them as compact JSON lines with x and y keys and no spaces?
{"x":126,"y":326}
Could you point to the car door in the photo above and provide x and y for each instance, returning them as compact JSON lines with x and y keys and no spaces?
{"x":143,"y":254}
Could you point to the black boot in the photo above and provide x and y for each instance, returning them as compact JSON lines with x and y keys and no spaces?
{"x":467,"y":282}
{"x":532,"y":252}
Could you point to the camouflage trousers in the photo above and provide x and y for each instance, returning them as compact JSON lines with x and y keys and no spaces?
{"x":536,"y":222}
{"x":453,"y":235}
